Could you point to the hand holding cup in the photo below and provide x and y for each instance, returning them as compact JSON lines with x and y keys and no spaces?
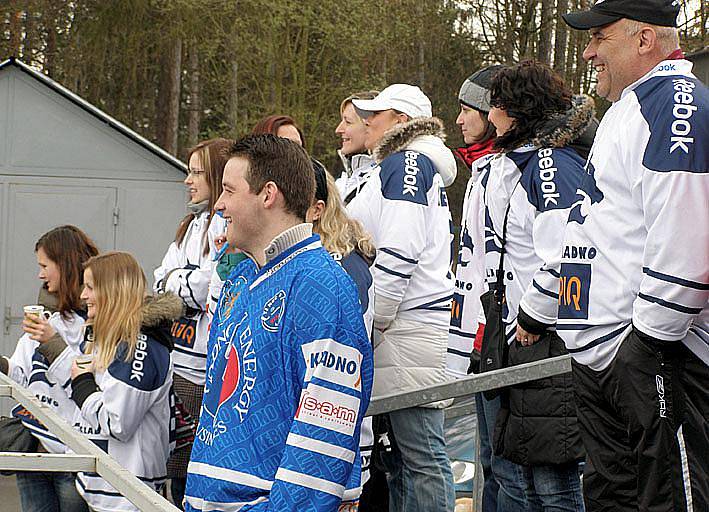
{"x":82,"y":364}
{"x":36,"y":323}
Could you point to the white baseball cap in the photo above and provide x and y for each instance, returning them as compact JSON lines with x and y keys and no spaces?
{"x":405,"y":98}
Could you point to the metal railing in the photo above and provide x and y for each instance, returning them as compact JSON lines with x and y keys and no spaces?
{"x":88,"y":457}
{"x":470,"y":385}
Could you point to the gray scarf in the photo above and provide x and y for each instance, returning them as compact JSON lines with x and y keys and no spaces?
{"x":197,"y":208}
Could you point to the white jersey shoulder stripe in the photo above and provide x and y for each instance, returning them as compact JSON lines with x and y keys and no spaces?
{"x":321,"y":447}
{"x":213,"y":506}
{"x":310,"y":482}
{"x":229,"y":475}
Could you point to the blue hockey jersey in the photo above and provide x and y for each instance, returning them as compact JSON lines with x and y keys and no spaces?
{"x":289,"y":376}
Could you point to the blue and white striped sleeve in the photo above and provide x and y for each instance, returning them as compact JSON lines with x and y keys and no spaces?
{"x":406,"y":179}
{"x":673,"y":183}
{"x":331,"y":371}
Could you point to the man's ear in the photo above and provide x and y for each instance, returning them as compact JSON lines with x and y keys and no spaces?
{"x":269,"y":194}
{"x":648,"y":40}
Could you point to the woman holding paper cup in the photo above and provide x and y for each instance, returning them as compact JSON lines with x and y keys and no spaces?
{"x":185,"y":271}
{"x":50,"y":342}
{"x":123,"y":392}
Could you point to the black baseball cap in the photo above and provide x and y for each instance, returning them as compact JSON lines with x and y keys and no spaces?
{"x":656,"y":12}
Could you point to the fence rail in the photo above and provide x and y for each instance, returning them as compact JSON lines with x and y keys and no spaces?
{"x":88,"y":457}
{"x":471,"y":385}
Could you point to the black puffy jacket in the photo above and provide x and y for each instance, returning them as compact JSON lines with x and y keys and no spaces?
{"x":537,"y":423}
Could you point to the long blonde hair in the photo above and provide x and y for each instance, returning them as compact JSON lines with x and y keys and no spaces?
{"x":338,"y":232}
{"x":119,"y":289}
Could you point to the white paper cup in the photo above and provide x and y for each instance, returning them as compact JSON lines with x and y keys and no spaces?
{"x":37,"y":311}
{"x":83,"y":361}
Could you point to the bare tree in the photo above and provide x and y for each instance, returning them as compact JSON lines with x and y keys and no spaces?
{"x":546,"y":26}
{"x":194,"y":108}
{"x":168,"y":100}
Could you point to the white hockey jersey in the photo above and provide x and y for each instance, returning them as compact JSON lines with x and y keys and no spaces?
{"x":404,"y":207}
{"x":357,"y":170}
{"x":469,"y":274}
{"x":31,"y":369}
{"x":540,"y":185}
{"x":129,"y":415}
{"x":186,"y":271}
{"x":636,"y":249}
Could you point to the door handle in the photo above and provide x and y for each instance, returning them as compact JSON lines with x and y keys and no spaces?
{"x":7,"y":321}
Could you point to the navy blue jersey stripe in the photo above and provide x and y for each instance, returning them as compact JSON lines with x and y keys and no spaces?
{"x":573,"y":327}
{"x":178,"y":348}
{"x":189,"y":287}
{"x":670,"y":305}
{"x":388,"y":271}
{"x":458,"y":352}
{"x":545,"y":291}
{"x":434,"y":302}
{"x":400,"y":256}
{"x":462,"y":334}
{"x":431,"y":308}
{"x":511,"y":334}
{"x":598,"y":341}
{"x":41,"y":433}
{"x":675,"y":280}
{"x":551,"y":271}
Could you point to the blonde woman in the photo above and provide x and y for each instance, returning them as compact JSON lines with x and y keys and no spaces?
{"x":123,"y":393}
{"x":347,"y":242}
{"x":355,"y":158}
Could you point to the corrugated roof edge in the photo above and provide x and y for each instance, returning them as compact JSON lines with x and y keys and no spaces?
{"x":96,"y":112}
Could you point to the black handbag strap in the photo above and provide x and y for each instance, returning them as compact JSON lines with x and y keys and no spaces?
{"x":499,"y":283}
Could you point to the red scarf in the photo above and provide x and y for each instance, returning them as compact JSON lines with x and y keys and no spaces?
{"x":471,"y":153}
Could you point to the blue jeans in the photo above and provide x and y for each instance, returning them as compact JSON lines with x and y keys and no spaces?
{"x":548,"y":488}
{"x":490,"y":485}
{"x":420,"y":476}
{"x":49,"y":492}
{"x":554,"y":488}
{"x":507,"y":478}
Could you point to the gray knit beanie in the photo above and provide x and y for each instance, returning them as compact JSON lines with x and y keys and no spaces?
{"x":475,"y":91}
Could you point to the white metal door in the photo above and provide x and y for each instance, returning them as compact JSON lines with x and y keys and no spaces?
{"x":33,"y":207}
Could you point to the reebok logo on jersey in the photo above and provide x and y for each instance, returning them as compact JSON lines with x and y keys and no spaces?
{"x":411,"y":169}
{"x":332,"y":361}
{"x":546,"y":174}
{"x":141,"y":352}
{"x":682,"y":111}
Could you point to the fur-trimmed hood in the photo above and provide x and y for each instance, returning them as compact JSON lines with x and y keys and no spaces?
{"x":425,"y":135}
{"x":161,"y":308}
{"x":562,"y":129}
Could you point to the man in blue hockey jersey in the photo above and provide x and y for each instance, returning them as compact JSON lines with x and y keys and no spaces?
{"x":289,"y":366}
{"x":635,"y":267}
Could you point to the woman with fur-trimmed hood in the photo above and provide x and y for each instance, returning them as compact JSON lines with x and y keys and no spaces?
{"x":528,"y":192}
{"x":403,"y":205}
{"x":122,"y":386}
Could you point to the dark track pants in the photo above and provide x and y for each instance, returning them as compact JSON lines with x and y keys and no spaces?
{"x":644,"y":425}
